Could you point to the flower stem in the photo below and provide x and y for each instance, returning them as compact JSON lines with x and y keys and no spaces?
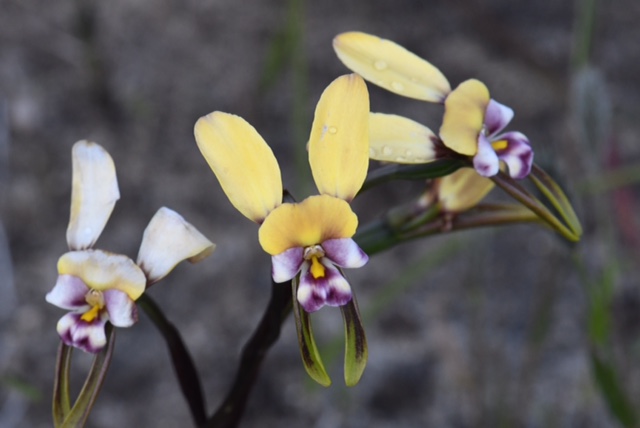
{"x":181,"y":359}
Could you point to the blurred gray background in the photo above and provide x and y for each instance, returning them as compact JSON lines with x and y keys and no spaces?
{"x":478,"y":329}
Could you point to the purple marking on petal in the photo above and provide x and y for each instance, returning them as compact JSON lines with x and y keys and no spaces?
{"x":88,"y":336}
{"x":486,"y":160}
{"x":518,"y":155}
{"x":286,"y":265}
{"x":345,"y":253}
{"x":497,"y":116}
{"x":332,"y":289}
{"x":122,"y":310}
{"x":69,"y":293}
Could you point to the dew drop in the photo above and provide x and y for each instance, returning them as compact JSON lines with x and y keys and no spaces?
{"x":401,"y":159}
{"x":408,"y":153}
{"x":372,"y":152}
{"x":380,"y":65}
{"x":333,"y":130}
{"x":415,"y":79}
{"x":386,"y":150}
{"x":397,"y":86}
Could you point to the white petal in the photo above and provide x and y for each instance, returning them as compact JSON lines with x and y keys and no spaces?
{"x":168,"y":240}
{"x":486,"y":160}
{"x":121,"y":309}
{"x":345,"y":253}
{"x":497,"y":116}
{"x":94,"y":193}
{"x":286,"y":265}
{"x":69,"y":293}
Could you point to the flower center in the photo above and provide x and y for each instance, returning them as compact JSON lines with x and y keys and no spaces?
{"x":314,"y":254}
{"x":499,"y":145}
{"x":96,"y":300}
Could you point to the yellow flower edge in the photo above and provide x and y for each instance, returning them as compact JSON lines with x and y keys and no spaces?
{"x":242,"y":161}
{"x":310,"y":222}
{"x":339,"y":139}
{"x":391,"y":66}
{"x":464,"y":111}
{"x":101,"y":270}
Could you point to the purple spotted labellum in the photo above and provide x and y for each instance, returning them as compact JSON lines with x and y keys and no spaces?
{"x":321,"y":282}
{"x":83,"y":327}
{"x":511,"y":147}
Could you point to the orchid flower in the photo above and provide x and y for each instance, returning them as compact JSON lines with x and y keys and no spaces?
{"x":98,"y":286}
{"x":471,"y":124}
{"x":312,"y":238}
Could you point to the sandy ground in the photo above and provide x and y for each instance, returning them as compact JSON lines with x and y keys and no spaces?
{"x":460,"y":346}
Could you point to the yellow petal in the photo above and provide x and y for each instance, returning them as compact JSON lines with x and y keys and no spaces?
{"x":307,"y":223}
{"x":101,"y":271}
{"x":391,"y":66}
{"x":463,"y":119}
{"x":400,"y":140}
{"x":168,"y":240}
{"x":462,"y":190}
{"x":339,"y":140}
{"x":243,"y":163}
{"x":94,"y":193}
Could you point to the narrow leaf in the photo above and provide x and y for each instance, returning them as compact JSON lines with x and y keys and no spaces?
{"x":553,"y":192}
{"x":61,"y":401}
{"x":522,"y":195}
{"x":616,"y":398}
{"x":355,"y":344}
{"x":79,"y":413}
{"x":308,"y":349}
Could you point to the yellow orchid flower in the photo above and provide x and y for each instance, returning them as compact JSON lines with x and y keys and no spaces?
{"x":312,"y":238}
{"x":471,"y":124}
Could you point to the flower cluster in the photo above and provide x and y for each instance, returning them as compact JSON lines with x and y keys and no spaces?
{"x":99,"y":286}
{"x":472,"y":123}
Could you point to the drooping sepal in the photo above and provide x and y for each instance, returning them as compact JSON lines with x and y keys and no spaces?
{"x":308,"y":349}
{"x":355,"y":351}
{"x":76,"y":416}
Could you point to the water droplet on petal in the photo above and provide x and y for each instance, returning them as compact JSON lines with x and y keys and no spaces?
{"x":380,"y":65}
{"x":409,"y":153}
{"x":415,"y":79}
{"x":397,"y":86}
{"x":386,"y":150}
{"x":372,"y":152}
{"x":333,"y":130}
{"x":401,"y":159}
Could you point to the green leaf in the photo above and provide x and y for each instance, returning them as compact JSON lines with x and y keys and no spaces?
{"x":79,"y":413}
{"x":61,"y":404}
{"x":308,"y":349}
{"x":522,"y":195}
{"x":355,"y":345}
{"x":608,"y":383}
